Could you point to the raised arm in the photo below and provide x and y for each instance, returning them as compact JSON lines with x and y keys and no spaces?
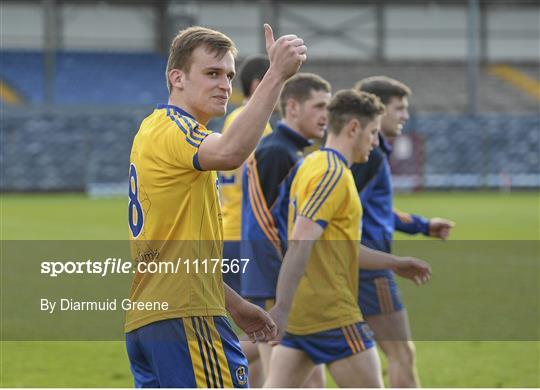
{"x":304,"y":234}
{"x":230,"y":150}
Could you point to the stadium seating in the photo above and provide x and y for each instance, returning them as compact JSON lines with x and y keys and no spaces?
{"x":88,"y":78}
{"x":137,"y":78}
{"x":79,"y":150}
{"x":100,"y":99}
{"x":437,"y":86}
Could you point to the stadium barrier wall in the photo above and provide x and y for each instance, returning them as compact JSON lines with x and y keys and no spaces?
{"x":86,"y":149}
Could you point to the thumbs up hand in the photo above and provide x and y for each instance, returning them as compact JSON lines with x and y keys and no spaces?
{"x":286,"y":54}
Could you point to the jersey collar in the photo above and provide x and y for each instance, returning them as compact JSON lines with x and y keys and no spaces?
{"x":176,"y":109}
{"x":294,"y":136}
{"x":340,"y":156}
{"x":384,"y":145}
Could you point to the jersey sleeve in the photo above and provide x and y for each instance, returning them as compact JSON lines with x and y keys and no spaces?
{"x":319,"y":193}
{"x":410,"y":223}
{"x":186,"y":141}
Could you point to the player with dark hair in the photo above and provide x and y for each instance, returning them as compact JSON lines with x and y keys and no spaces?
{"x":318,"y":281}
{"x":251,"y":73}
{"x":174,"y":213}
{"x":267,"y":179}
{"x":378,"y":296}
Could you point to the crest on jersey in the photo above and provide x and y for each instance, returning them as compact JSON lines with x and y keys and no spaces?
{"x":241,"y":375}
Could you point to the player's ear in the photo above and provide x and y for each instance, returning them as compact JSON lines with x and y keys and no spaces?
{"x":292,"y":107}
{"x":353,"y":127}
{"x":176,"y":78}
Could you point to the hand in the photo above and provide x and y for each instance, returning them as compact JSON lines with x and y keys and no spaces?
{"x":440,"y":228}
{"x":286,"y":55}
{"x":253,"y":320}
{"x":280,"y":319}
{"x":410,"y":268}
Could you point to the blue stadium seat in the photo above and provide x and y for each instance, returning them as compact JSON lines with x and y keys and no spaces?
{"x":87,"y":77}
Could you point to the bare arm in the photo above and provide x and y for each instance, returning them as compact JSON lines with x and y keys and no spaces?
{"x":230,"y":150}
{"x":373,"y":259}
{"x":233,"y":301}
{"x":417,"y":270}
{"x":304,"y":234}
{"x":253,"y":320}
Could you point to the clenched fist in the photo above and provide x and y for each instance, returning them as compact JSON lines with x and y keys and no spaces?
{"x":286,"y":54}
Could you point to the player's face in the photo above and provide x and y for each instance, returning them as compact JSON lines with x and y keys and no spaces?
{"x":397,"y":113}
{"x":313,"y":115}
{"x":366,"y":139}
{"x":207,"y":85}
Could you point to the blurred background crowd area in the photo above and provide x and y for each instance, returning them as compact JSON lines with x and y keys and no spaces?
{"x":77,"y":77}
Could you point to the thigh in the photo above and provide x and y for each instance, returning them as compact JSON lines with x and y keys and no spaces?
{"x":393,"y":334}
{"x":265,"y":352}
{"x":289,"y":367}
{"x":317,"y":378}
{"x":251,"y":350}
{"x":392,"y":327}
{"x":360,"y":370}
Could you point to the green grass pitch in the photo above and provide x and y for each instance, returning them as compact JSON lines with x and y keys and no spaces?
{"x":478,"y":216}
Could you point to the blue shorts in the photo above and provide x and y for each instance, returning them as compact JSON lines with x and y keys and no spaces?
{"x":378,"y":293}
{"x":187,"y":352}
{"x":231,"y":250}
{"x":334,"y":344}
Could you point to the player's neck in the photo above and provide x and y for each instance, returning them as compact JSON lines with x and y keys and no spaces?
{"x":292,"y":125}
{"x":342,"y":145}
{"x":178,"y":101}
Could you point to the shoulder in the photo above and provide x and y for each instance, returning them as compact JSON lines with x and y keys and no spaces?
{"x":322,"y":167}
{"x":187,"y":128}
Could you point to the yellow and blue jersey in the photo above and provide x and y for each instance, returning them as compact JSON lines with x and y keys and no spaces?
{"x":174,"y":212}
{"x":323,"y":191}
{"x":231,"y":190}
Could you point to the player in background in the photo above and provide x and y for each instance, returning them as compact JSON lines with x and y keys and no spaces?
{"x":379,"y":297}
{"x":250,"y":74}
{"x":174,"y":213}
{"x":321,"y":265}
{"x":266,"y":184}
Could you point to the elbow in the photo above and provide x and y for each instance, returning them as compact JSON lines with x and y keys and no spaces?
{"x":231,"y":162}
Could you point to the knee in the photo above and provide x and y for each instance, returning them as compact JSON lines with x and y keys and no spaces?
{"x":403,"y":353}
{"x":317,"y":378}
